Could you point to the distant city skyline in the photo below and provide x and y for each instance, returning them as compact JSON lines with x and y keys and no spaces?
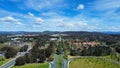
{"x":59,"y":15}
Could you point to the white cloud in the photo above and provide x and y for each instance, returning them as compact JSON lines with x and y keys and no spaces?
{"x":72,"y":23}
{"x":65,"y":25}
{"x":10,"y":19}
{"x":80,"y":7}
{"x":29,"y":18}
{"x":29,"y":13}
{"x":39,"y":20}
{"x":44,"y":4}
{"x":106,"y":5}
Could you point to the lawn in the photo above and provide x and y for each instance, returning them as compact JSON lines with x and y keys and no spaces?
{"x":33,"y":65}
{"x":109,"y":57}
{"x":59,"y":62}
{"x":3,"y":61}
{"x":92,"y":63}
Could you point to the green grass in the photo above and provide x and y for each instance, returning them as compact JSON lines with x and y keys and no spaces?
{"x":3,"y":61}
{"x":109,"y":57}
{"x":92,"y":63}
{"x":59,"y":62}
{"x":33,"y":65}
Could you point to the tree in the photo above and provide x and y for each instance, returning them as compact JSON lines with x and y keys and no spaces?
{"x":29,"y":58}
{"x":20,"y":61}
{"x":48,"y":51}
{"x":41,"y":56}
{"x":113,"y":54}
{"x":24,"y":48}
{"x":9,"y":51}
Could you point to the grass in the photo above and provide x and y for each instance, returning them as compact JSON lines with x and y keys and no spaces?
{"x":33,"y":65}
{"x":92,"y":63}
{"x":109,"y":57}
{"x":59,"y":62}
{"x":3,"y":61}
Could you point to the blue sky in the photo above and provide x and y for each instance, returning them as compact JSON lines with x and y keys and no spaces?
{"x":60,"y":15}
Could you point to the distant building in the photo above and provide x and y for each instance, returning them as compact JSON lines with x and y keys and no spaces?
{"x":83,"y":44}
{"x":53,"y":39}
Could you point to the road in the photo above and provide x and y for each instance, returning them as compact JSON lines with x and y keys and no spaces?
{"x":54,"y":63}
{"x":64,"y":61}
{"x":11,"y":63}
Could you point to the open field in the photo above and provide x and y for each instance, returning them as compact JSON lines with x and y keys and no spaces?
{"x":33,"y":65}
{"x":59,"y":62}
{"x":92,"y":63}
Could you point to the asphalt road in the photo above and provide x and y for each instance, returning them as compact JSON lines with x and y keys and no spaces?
{"x":11,"y":63}
{"x":54,"y":63}
{"x":64,"y":61}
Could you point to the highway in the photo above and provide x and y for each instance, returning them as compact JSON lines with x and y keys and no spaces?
{"x":11,"y":63}
{"x":64,"y":61}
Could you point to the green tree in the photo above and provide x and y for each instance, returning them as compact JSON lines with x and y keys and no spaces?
{"x":9,"y":51}
{"x":20,"y":61}
{"x":24,"y":48}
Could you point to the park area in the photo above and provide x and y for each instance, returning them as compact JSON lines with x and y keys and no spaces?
{"x":33,"y":65}
{"x":92,"y":63}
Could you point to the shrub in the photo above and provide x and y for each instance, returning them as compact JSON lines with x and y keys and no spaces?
{"x":20,"y":61}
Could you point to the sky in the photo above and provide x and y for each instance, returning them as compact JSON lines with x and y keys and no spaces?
{"x":59,"y":15}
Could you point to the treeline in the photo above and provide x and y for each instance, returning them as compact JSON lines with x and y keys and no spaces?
{"x":91,"y":51}
{"x":4,"y":38}
{"x":39,"y":53}
{"x":93,"y":36}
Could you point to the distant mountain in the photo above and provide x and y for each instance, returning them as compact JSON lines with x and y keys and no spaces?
{"x":17,"y":32}
{"x":56,"y":32}
{"x":115,"y":33}
{"x":50,"y":32}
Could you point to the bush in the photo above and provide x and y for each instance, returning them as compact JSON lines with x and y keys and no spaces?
{"x":20,"y":61}
{"x":51,"y":58}
{"x":2,"y":58}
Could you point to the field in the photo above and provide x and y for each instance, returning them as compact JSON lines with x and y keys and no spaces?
{"x":34,"y":65}
{"x":92,"y":63}
{"x":59,"y":62}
